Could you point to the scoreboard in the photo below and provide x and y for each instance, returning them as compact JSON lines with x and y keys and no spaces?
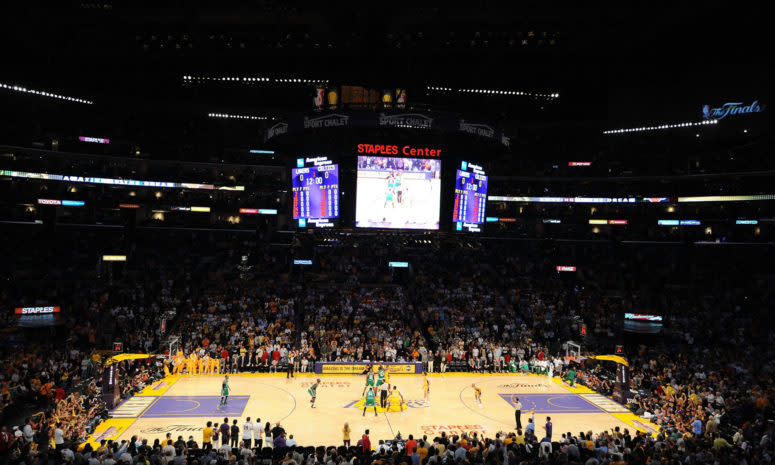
{"x":315,"y":192}
{"x":470,"y":197}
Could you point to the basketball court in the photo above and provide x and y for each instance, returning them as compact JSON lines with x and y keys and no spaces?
{"x":182,"y":405}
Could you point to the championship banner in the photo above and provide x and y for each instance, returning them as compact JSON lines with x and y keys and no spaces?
{"x":356,"y":368}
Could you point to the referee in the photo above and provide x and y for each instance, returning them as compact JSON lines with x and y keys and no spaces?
{"x":383,"y":393}
{"x":518,"y":412}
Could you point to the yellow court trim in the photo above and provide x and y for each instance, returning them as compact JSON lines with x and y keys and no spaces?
{"x":111,"y":428}
{"x":168,"y":381}
{"x":612,"y":358}
{"x":122,"y":357}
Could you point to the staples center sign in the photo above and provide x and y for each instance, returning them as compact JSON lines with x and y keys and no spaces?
{"x":35,"y":310}
{"x":406,"y":150}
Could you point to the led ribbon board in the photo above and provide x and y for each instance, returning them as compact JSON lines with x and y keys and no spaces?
{"x":116,"y":182}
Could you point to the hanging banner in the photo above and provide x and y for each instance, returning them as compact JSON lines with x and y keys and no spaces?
{"x":319,"y":98}
{"x":370,"y":119}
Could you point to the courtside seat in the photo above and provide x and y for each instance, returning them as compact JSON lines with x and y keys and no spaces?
{"x":266,"y":456}
{"x":458,"y":365}
{"x":278,"y":453}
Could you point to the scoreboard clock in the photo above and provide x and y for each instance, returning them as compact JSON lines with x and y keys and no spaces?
{"x":470,"y":198}
{"x":315,"y":192}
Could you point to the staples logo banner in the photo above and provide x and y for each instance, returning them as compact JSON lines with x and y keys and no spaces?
{"x":35,"y":310}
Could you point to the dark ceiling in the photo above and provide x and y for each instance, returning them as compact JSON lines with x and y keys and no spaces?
{"x":611,"y":66}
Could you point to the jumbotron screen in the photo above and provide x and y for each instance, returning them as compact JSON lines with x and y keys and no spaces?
{"x":398,"y":193}
{"x":316,"y":192}
{"x":470,"y":197}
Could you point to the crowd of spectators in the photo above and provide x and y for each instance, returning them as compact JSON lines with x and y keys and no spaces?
{"x":490,"y":307}
{"x":254,"y":443}
{"x":349,"y":324}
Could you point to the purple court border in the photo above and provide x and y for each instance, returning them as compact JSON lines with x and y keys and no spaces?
{"x":196,"y":406}
{"x":553,"y":403}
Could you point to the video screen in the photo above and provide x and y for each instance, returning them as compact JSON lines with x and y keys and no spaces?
{"x":470,"y":197}
{"x":38,"y":317}
{"x":316,"y":192}
{"x":398,"y":193}
{"x":642,"y":323}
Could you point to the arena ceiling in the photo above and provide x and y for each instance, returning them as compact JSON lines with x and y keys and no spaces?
{"x":610,"y":63}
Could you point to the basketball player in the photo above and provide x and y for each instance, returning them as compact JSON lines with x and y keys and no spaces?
{"x":369,"y":392}
{"x":192,"y":363}
{"x":427,"y":390}
{"x":399,"y":189}
{"x":369,"y":368}
{"x":549,"y":374}
{"x":370,"y":379}
{"x":313,"y":391}
{"x":396,"y":400}
{"x":380,"y":375}
{"x":390,"y":192}
{"x":225,"y":390}
{"x":177,"y":363}
{"x":477,"y":394}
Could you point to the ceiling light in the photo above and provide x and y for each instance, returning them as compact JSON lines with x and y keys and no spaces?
{"x":44,"y":94}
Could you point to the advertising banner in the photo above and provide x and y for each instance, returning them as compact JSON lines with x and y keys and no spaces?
{"x":356,"y":368}
{"x":342,"y":118}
